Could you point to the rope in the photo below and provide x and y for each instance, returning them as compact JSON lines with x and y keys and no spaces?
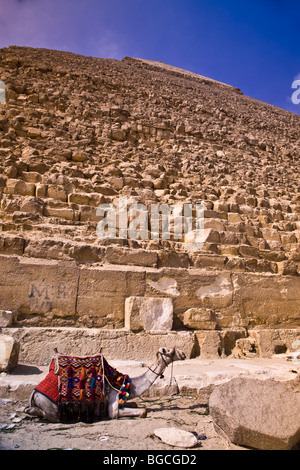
{"x":171,"y":379}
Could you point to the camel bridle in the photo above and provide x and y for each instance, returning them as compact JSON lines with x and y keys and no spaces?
{"x":161,"y":376}
{"x":162,"y":355}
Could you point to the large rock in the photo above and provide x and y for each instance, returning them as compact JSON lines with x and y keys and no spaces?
{"x":149,"y":313}
{"x":176,"y":437}
{"x":9,"y":353}
{"x":6,"y":318}
{"x":260,"y":414}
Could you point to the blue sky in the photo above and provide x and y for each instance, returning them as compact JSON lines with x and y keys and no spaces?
{"x":251,"y":44}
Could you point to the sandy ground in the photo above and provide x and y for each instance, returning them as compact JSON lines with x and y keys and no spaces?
{"x":181,"y":407}
{"x":183,"y":412}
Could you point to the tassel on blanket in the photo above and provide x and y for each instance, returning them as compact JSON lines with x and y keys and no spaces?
{"x":124,"y":391}
{"x":93,"y":383}
{"x":82,"y":384}
{"x":69,"y":386}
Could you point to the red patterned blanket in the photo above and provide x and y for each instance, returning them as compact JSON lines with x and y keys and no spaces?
{"x":80,"y":384}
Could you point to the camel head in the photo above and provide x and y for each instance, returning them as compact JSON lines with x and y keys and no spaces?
{"x":168,"y":355}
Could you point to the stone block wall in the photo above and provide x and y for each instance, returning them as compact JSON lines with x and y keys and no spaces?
{"x":76,"y":132}
{"x":50,"y":292}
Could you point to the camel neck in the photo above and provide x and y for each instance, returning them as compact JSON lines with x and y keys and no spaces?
{"x":140,"y":384}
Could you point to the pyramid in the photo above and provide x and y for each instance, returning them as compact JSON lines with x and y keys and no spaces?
{"x":78,"y":133}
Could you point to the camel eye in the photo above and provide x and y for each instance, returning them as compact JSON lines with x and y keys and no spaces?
{"x":163,"y":350}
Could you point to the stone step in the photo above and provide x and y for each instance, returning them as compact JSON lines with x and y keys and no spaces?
{"x":195,"y":377}
{"x":64,"y":242}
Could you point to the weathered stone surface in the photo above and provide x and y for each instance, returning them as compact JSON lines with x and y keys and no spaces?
{"x":38,"y":344}
{"x":148,"y":313}
{"x":199,"y":319}
{"x":102,"y":292}
{"x":261,"y":414}
{"x":176,"y":437}
{"x":160,"y":136}
{"x":116,"y":255}
{"x":265,"y":300}
{"x":40,"y":287}
{"x":209,"y":344}
{"x":274,"y":341}
{"x":6,"y":318}
{"x":9,"y":353}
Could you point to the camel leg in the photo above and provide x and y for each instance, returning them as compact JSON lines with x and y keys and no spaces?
{"x":35,"y":411}
{"x":132,"y":412}
{"x":42,"y":407}
{"x":114,"y":412}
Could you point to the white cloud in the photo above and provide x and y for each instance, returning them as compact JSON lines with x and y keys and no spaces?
{"x":108,"y":47}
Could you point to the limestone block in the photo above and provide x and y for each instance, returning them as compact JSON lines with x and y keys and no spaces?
{"x":32,"y":177}
{"x":117,"y":183}
{"x":136,"y":257}
{"x":173,"y":259}
{"x":217,"y":294}
{"x":78,"y":198}
{"x":234,"y":218}
{"x":79,"y":156}
{"x":208,"y":261}
{"x":118,"y":134}
{"x":84,"y":253}
{"x":88,"y":214}
{"x":199,"y":319}
{"x":64,"y":213}
{"x":55,"y":249}
{"x":33,"y":132}
{"x":245,"y":347}
{"x":57,"y":192}
{"x":260,"y":414}
{"x":35,"y":286}
{"x":148,"y":313}
{"x":287,"y":267}
{"x":267,"y":300}
{"x":105,"y":189}
{"x":214,"y":224}
{"x":274,"y":341}
{"x":210,"y":214}
{"x":6,"y":318}
{"x":102,"y":291}
{"x":32,"y":204}
{"x":14,"y":186}
{"x":209,"y":344}
{"x":41,"y":190}
{"x":10,"y":244}
{"x":270,"y":234}
{"x":9,"y":353}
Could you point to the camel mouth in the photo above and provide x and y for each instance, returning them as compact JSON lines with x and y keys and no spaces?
{"x":181,"y":355}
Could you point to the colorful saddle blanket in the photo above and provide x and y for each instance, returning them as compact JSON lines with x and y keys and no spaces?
{"x":82,"y":382}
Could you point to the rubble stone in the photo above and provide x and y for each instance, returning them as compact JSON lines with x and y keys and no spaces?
{"x":261,"y":414}
{"x":9,"y":353}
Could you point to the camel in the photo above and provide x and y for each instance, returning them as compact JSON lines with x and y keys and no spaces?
{"x":41,"y":406}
